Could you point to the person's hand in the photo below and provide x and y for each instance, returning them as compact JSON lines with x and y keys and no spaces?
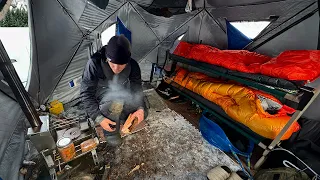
{"x":139,"y":114}
{"x":105,"y":124}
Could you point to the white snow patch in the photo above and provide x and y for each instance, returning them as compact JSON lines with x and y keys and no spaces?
{"x":16,"y":41}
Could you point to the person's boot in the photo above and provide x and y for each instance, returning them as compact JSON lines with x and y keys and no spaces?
{"x":114,"y":139}
{"x":234,"y":176}
{"x":219,"y":173}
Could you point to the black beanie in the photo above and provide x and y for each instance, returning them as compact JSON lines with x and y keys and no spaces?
{"x":118,"y":50}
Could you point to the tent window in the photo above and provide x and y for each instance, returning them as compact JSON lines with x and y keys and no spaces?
{"x":180,"y":37}
{"x":20,"y":52}
{"x":176,"y":42}
{"x":250,"y":28}
{"x":107,"y":34}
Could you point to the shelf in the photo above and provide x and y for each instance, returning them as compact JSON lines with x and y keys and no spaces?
{"x":299,"y":101}
{"x":58,"y":161}
{"x":294,"y":100}
{"x":219,"y":113}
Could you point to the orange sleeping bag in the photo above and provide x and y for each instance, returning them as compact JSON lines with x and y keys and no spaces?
{"x":241,"y":103}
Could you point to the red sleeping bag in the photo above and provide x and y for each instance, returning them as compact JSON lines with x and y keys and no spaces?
{"x":299,"y":65}
{"x":183,"y":49}
{"x":294,"y":65}
{"x":239,"y":60}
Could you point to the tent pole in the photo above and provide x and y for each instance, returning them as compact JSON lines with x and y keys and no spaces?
{"x":293,"y":119}
{"x":17,"y":88}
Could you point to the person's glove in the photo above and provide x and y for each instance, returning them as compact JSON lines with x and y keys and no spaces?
{"x":139,"y":114}
{"x":105,"y":124}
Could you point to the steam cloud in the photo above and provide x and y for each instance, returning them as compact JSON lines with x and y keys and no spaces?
{"x":118,"y":92}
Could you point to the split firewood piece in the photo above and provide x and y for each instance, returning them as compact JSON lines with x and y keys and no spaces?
{"x":135,"y":168}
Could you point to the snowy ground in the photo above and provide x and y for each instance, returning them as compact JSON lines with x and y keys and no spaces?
{"x":169,"y":148}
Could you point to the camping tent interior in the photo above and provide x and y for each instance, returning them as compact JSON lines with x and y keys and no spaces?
{"x":64,"y":33}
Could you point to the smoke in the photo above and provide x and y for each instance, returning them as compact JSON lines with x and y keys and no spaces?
{"x":120,"y":93}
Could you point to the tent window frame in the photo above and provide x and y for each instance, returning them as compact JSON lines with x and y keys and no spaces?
{"x":269,"y":21}
{"x":180,"y":37}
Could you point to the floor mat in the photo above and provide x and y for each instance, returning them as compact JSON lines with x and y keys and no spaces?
{"x":168,"y":148}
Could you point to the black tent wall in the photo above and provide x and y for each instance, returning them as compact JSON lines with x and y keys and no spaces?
{"x":12,"y":141}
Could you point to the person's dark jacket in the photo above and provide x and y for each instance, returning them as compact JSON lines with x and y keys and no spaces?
{"x":93,"y":72}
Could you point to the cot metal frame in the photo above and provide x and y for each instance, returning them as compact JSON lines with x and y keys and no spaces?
{"x":302,"y":101}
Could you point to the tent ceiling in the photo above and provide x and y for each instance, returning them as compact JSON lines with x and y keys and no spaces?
{"x":93,"y":16}
{"x":303,"y":10}
{"x":282,"y":9}
{"x":233,"y":3}
{"x":304,"y":33}
{"x":168,"y":3}
{"x":144,"y":3}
